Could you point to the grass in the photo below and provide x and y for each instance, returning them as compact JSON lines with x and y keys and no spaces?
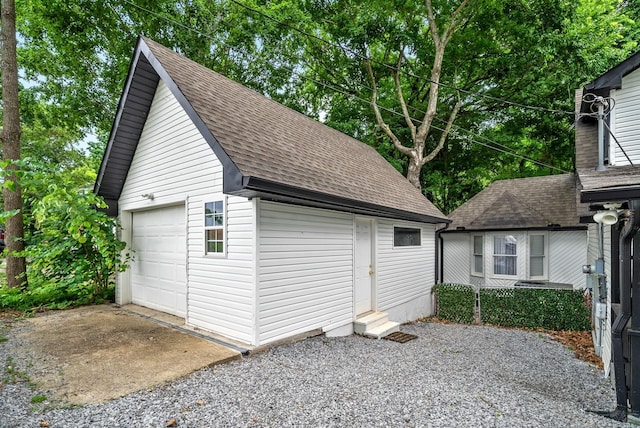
{"x":38,"y":399}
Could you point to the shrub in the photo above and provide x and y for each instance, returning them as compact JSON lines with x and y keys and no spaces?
{"x":515,"y":307}
{"x":455,"y":302}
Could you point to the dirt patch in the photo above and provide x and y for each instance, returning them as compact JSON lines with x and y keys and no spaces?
{"x":97,"y":353}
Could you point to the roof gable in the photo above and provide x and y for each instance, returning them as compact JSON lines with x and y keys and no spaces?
{"x":267,"y":150}
{"x":521,"y":203}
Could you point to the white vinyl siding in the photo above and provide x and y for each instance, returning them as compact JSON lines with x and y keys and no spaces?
{"x":305,"y":270}
{"x":221,"y":289}
{"x":624,"y":121}
{"x":403,"y":274}
{"x":567,"y":255}
{"x":175,"y":164}
{"x":455,"y":258}
{"x":171,"y":160}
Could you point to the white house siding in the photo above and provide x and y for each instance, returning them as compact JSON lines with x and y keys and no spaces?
{"x":221,"y":288}
{"x":305,"y":270}
{"x":567,"y":255}
{"x":404,"y":275}
{"x":624,"y":120}
{"x":456,"y":253}
{"x":175,"y":164}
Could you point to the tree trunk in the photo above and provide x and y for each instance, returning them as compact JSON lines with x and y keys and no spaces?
{"x":413,"y":172}
{"x":14,"y":232}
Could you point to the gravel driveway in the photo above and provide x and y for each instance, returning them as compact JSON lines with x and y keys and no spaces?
{"x":451,"y":376}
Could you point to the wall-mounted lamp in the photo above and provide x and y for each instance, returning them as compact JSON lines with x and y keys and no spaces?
{"x":148,"y":196}
{"x":608,"y":216}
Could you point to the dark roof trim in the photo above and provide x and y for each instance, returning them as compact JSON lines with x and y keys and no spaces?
{"x":278,"y":192}
{"x":609,"y":194}
{"x":611,"y":79}
{"x":116,"y":130}
{"x":517,"y":229}
{"x":232,"y":176}
{"x":143,"y":56}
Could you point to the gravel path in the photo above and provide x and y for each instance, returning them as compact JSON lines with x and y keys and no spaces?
{"x":451,"y":376}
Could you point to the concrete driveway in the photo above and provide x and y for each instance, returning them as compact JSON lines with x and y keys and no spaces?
{"x":97,"y":353}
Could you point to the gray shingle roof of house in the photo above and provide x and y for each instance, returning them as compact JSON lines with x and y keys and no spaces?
{"x":269,"y":150}
{"x":521,"y":203}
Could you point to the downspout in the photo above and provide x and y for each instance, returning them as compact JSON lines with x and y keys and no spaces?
{"x":439,"y":254}
{"x":629,"y":274}
{"x":626,"y":236}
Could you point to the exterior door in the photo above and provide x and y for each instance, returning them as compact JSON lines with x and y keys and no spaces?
{"x":363,"y":267}
{"x":158,"y":271}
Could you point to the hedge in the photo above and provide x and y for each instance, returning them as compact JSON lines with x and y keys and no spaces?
{"x":515,"y":307}
{"x":455,"y":302}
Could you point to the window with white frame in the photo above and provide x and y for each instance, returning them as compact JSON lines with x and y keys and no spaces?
{"x":214,"y":227}
{"x":505,"y":255}
{"x":478,"y":255}
{"x":537,"y":260}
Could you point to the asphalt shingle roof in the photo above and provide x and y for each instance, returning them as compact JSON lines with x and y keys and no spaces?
{"x":269,"y":141}
{"x":520,"y":203}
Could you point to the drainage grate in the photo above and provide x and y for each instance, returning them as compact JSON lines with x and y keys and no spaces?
{"x":401,"y":337}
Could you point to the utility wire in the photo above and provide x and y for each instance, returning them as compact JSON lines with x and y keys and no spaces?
{"x":408,"y":73}
{"x":494,"y":145}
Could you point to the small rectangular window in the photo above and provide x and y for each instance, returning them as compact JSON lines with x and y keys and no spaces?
{"x":478,"y":250}
{"x":406,"y":237}
{"x":214,"y":227}
{"x":536,"y":255}
{"x":505,"y":258}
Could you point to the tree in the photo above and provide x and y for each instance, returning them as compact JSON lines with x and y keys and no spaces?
{"x":419,"y":132}
{"x":16,"y":264}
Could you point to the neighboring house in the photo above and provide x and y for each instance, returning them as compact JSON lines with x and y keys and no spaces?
{"x":522,"y":231}
{"x":254,"y":221}
{"x":608,"y":168}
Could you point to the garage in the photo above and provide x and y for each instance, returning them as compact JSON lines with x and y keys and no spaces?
{"x":158,"y":272}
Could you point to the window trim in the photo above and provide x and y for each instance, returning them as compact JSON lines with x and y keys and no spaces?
{"x":205,"y":229}
{"x":493,"y":255}
{"x":545,"y":255}
{"x":419,"y":229}
{"x":474,"y":255}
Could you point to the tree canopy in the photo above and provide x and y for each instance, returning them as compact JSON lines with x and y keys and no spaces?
{"x":485,"y":86}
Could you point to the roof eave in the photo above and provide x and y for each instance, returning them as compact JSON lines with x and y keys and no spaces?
{"x":280,"y":192}
{"x":499,"y":229}
{"x":610,"y":194}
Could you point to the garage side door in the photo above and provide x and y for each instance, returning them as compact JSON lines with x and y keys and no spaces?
{"x":158,"y":273}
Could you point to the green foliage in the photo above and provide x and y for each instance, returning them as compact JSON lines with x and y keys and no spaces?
{"x":71,"y":245}
{"x":515,"y":307}
{"x":535,"y":308}
{"x":39,"y":398}
{"x":455,"y":302}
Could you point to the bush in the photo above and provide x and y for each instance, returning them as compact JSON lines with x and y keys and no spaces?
{"x":515,"y":307}
{"x":455,"y":302}
{"x":72,"y":250}
{"x":535,"y":308}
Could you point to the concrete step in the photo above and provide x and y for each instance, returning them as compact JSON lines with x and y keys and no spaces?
{"x":382,"y":330}
{"x":369,"y":321}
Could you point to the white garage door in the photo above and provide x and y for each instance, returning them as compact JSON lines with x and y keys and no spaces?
{"x":158,"y":273}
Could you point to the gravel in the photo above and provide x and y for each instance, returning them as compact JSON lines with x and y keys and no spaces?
{"x":450,"y":376}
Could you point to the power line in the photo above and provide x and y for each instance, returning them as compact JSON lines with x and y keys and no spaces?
{"x":495,"y":145}
{"x":408,"y":73}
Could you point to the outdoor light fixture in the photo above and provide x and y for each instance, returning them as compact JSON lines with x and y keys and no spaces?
{"x":608,"y":216}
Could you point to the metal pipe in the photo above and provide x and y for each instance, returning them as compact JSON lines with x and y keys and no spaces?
{"x":601,"y":104}
{"x":629,"y":273}
{"x":628,"y":232}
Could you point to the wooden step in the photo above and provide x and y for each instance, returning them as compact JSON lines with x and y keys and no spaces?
{"x":369,"y":321}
